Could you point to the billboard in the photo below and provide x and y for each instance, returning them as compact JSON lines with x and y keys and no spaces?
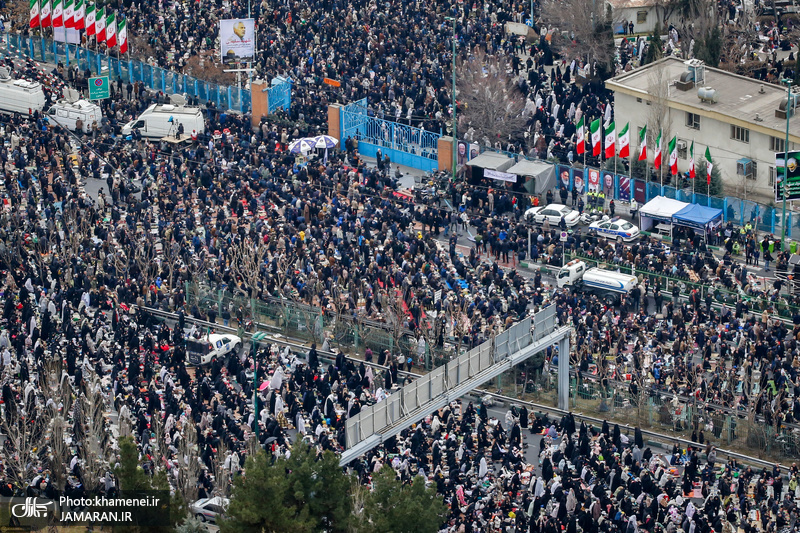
{"x":68,"y":35}
{"x":793,"y":177}
{"x":237,"y":40}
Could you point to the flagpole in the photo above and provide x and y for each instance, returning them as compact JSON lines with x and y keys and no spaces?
{"x":693,"y":171}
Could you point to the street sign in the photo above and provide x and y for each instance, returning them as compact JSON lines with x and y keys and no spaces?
{"x":99,"y":88}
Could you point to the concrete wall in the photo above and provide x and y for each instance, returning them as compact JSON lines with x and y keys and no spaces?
{"x":260,"y":101}
{"x":713,"y":133}
{"x":632,"y":14}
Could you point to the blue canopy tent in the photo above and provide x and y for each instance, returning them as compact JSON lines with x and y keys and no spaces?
{"x":698,"y":217}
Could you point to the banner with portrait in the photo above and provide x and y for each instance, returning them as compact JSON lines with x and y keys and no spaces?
{"x":594,"y":180}
{"x":237,"y":40}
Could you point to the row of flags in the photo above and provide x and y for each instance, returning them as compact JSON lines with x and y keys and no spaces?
{"x":76,"y":14}
{"x":610,"y":144}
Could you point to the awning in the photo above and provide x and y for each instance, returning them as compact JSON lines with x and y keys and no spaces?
{"x":697,"y":216}
{"x":544,"y":173}
{"x":530,"y":168}
{"x":662,"y":208}
{"x":491,"y":161}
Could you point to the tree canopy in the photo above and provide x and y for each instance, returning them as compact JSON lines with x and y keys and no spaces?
{"x":309,"y":492}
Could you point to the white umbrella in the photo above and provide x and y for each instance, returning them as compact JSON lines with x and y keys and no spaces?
{"x":325,"y":141}
{"x":301,"y":146}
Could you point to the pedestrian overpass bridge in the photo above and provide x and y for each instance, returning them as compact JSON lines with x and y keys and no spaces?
{"x":413,"y":402}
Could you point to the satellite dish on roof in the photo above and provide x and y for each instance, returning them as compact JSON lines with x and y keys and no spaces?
{"x":177,"y":99}
{"x":71,"y":95}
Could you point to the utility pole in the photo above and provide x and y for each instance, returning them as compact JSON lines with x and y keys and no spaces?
{"x":789,"y":110}
{"x":455,"y":107}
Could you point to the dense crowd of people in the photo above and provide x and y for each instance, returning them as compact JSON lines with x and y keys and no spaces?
{"x":233,"y":211}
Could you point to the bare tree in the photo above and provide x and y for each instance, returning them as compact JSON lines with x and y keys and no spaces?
{"x":493,"y":105}
{"x":222,"y":481}
{"x":59,"y":452}
{"x":659,"y":119}
{"x":25,"y":431}
{"x":188,"y":463}
{"x":588,"y":28}
{"x":93,"y":452}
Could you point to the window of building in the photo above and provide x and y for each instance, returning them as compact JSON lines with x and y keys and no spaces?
{"x":772,"y":174}
{"x":740,"y":134}
{"x":639,"y":100}
{"x":641,"y":17}
{"x":753,"y":175}
{"x":692,"y":121}
{"x":776,"y":144}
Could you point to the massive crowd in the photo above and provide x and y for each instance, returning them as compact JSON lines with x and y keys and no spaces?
{"x":234,"y":211}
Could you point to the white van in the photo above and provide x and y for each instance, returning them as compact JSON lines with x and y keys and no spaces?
{"x":21,"y":96}
{"x":67,"y":114}
{"x":607,"y":284}
{"x":162,"y":120}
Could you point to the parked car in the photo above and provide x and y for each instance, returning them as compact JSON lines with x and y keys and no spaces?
{"x":208,"y":509}
{"x":204,"y":350}
{"x":553,"y":214}
{"x":617,"y":229}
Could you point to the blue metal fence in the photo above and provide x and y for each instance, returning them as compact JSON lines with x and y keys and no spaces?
{"x":405,"y":145}
{"x":280,"y":95}
{"x":155,"y":78}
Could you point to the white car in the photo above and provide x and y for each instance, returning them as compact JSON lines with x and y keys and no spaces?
{"x":617,"y":228}
{"x":204,"y":350}
{"x":553,"y":213}
{"x":208,"y":509}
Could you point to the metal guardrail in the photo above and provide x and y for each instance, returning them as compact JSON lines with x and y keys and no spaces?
{"x":663,"y":438}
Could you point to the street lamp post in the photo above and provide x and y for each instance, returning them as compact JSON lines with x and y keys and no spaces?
{"x":788,"y":83}
{"x":455,"y":133}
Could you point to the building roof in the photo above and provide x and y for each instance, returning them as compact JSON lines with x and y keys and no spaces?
{"x":743,"y":101}
{"x":630,"y":4}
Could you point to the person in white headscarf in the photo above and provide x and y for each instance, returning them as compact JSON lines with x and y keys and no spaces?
{"x":483,"y":468}
{"x":538,"y":489}
{"x":633,"y":525}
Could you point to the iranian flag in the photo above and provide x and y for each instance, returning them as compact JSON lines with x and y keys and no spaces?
{"x":80,"y":15}
{"x":673,"y":156}
{"x":691,"y":161}
{"x":58,"y":13}
{"x":657,"y":159}
{"x":625,"y":141}
{"x":69,"y":11}
{"x":34,"y":13}
{"x":581,"y":147}
{"x":643,"y":144}
{"x":111,"y":31}
{"x":44,"y":14}
{"x":611,"y":140}
{"x":100,"y":25}
{"x":122,"y":36}
{"x":90,"y":13}
{"x":594,"y":127}
{"x":709,"y":166}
